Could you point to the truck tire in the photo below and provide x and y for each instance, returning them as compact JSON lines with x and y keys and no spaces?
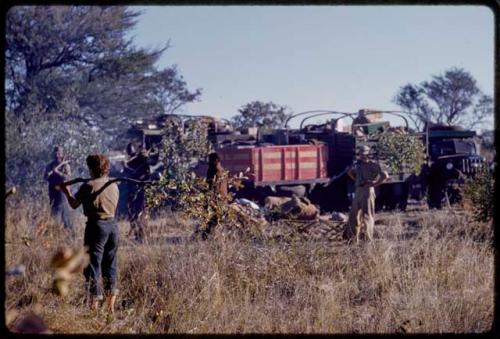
{"x":404,"y":195}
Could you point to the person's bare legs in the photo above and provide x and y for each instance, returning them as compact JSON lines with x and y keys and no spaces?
{"x":111,"y":303}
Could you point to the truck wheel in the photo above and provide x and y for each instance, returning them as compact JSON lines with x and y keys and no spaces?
{"x":403,"y":203}
{"x":299,"y":190}
{"x":403,"y":199}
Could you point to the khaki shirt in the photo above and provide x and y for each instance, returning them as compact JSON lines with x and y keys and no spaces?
{"x":97,"y":203}
{"x":366,"y":171}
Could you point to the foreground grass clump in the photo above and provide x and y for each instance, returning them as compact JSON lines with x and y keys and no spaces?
{"x":426,"y":272}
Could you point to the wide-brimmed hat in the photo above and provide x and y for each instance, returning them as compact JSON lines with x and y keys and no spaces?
{"x":363,"y":149}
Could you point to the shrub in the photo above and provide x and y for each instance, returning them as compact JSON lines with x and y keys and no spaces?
{"x":478,"y":193}
{"x":402,"y":152}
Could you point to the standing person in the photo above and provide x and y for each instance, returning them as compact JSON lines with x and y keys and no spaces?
{"x":217,"y":182}
{"x":436,"y":185}
{"x":56,"y":172}
{"x":137,"y":168}
{"x":99,"y":200}
{"x":367,"y":175}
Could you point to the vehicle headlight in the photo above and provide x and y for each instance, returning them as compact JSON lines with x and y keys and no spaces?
{"x":152,"y":126}
{"x":449,"y":166}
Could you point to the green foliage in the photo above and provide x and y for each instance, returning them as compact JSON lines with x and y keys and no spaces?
{"x":263,"y":115}
{"x":72,"y":77}
{"x":402,"y":152}
{"x":28,"y":148}
{"x":188,"y":194}
{"x":182,"y":148}
{"x":451,"y":98}
{"x":193,"y":200}
{"x":478,"y":194}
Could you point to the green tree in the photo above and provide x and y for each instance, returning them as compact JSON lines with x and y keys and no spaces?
{"x":71,"y":71}
{"x":451,"y":98}
{"x":263,"y":115}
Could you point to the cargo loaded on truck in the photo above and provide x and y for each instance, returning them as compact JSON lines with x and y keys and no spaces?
{"x":304,"y":160}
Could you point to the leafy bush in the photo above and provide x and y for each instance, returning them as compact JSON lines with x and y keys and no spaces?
{"x":402,"y":152}
{"x":181,"y":189}
{"x":29,"y":147}
{"x":182,"y":148}
{"x":478,"y":193}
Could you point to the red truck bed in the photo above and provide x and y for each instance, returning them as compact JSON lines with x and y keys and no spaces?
{"x":271,"y":165}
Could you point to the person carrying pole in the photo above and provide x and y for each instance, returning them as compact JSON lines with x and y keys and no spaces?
{"x":56,"y":172}
{"x":367,"y":175}
{"x":137,"y":168}
{"x":99,"y":198}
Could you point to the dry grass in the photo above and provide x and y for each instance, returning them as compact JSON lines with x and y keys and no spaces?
{"x":426,"y":272}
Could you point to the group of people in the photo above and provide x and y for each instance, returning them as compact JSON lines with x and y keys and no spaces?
{"x":99,"y":198}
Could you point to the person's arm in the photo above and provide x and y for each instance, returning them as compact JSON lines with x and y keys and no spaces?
{"x":126,"y":164}
{"x":65,"y":170}
{"x":381,"y":178}
{"x":127,"y":168}
{"x":351,"y":172}
{"x":58,"y":169}
{"x":48,"y":173}
{"x":73,"y":202}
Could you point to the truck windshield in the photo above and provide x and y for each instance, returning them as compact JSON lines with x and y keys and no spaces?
{"x":450,"y":147}
{"x":442,"y":148}
{"x":465,"y":147}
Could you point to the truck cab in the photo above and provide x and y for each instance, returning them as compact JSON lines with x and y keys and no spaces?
{"x":456,"y":149}
{"x":454,"y":155}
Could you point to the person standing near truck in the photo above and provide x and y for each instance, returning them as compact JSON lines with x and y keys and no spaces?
{"x":137,"y":168}
{"x":56,"y":172}
{"x":367,"y":175}
{"x":218,"y":183}
{"x":99,"y":199}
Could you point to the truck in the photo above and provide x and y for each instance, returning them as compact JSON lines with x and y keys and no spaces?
{"x":303,"y":160}
{"x":454,"y":154}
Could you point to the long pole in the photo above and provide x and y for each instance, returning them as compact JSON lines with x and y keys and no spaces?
{"x":78,"y":180}
{"x":427,"y":139}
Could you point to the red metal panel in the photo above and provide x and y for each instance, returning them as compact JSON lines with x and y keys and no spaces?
{"x":252,"y":164}
{"x":297,"y":163}
{"x":283,"y":164}
{"x":261,"y":167}
{"x":278,"y":163}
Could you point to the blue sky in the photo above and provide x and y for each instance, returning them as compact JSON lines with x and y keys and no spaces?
{"x":316,"y":57}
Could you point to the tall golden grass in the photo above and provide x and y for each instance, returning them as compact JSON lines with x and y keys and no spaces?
{"x":426,"y":272}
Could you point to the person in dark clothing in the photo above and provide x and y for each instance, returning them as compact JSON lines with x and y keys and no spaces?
{"x":435,"y":186}
{"x":56,"y":172}
{"x":137,"y":167}
{"x":454,"y":179}
{"x":99,"y":199}
{"x":217,"y":182}
{"x":216,"y":177}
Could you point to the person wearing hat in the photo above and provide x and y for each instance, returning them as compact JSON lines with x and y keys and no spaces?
{"x":367,"y":175}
